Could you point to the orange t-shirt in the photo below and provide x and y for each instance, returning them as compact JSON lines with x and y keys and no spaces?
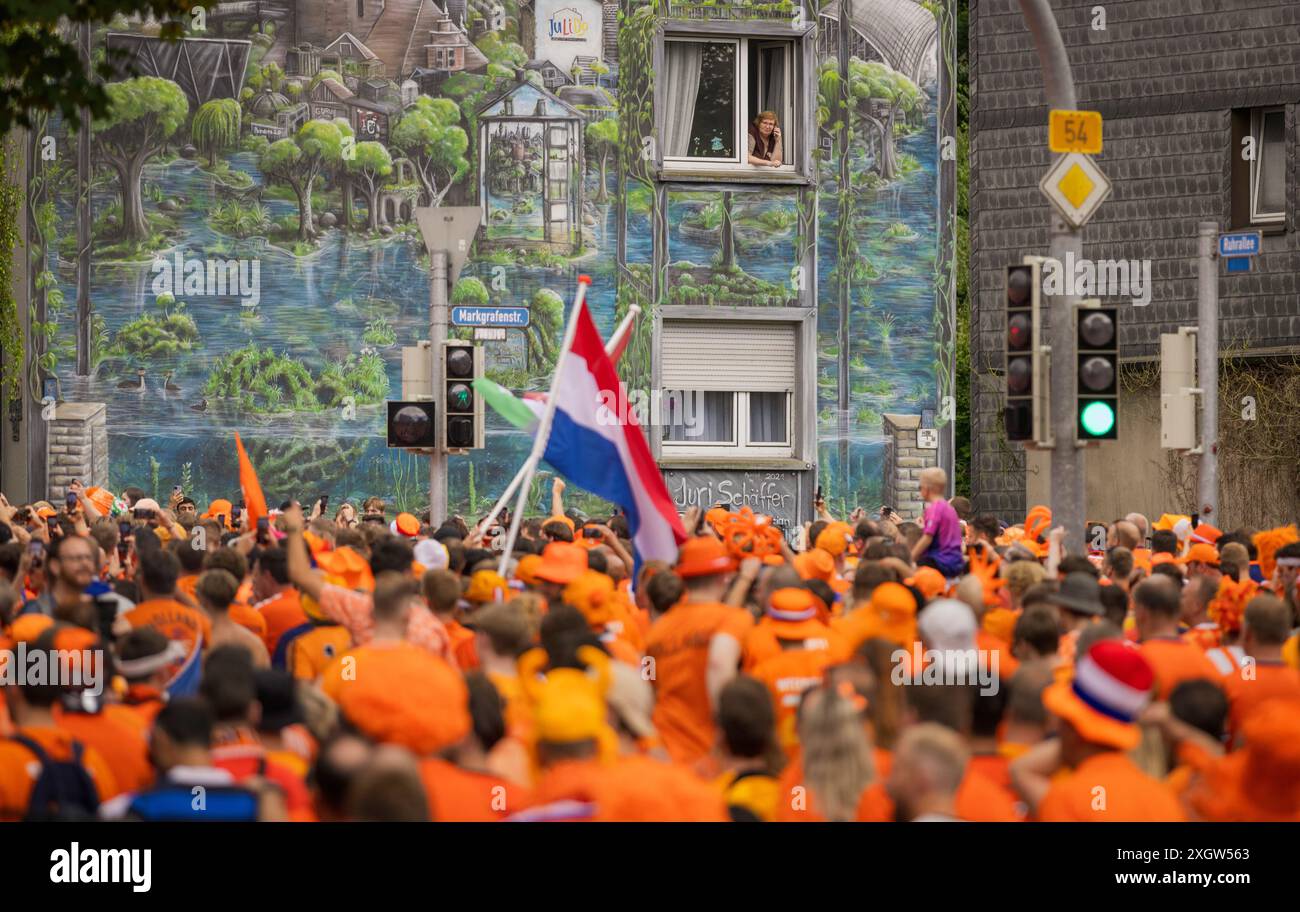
{"x":788,"y":672}
{"x":317,"y":649}
{"x":462,"y":644}
{"x":187,"y":584}
{"x":114,"y":732}
{"x":250,"y":619}
{"x":1174,"y":661}
{"x":631,"y":789}
{"x":459,"y":795}
{"x":144,"y":702}
{"x":1273,"y":680}
{"x":19,"y":769}
{"x":679,"y":644}
{"x":978,"y":800}
{"x":281,"y":612}
{"x":174,"y":621}
{"x":1127,"y":795}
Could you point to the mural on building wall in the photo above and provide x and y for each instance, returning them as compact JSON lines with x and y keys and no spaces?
{"x":254,"y":262}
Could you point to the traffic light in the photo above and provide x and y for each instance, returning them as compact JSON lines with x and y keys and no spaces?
{"x":411,"y":424}
{"x":1023,"y":366}
{"x":462,"y":363}
{"x":1097,"y":393}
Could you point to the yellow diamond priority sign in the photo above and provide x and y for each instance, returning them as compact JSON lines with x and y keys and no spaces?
{"x":1076,"y":187}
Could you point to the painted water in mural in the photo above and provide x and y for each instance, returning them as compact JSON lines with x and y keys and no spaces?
{"x":289,"y":144}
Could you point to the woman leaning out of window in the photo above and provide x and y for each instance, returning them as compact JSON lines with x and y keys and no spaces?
{"x":765,"y":140}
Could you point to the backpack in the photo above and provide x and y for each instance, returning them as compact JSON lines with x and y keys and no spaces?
{"x":63,"y":790}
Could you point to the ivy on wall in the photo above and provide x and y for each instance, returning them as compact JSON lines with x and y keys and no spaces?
{"x":11,"y":331}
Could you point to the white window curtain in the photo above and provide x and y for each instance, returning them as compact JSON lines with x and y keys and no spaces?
{"x":767,"y":422}
{"x":773,"y":87}
{"x":699,"y":416}
{"x":684,"y":60}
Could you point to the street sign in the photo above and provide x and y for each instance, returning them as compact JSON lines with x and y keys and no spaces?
{"x":1076,"y":187}
{"x":1074,"y":131}
{"x":1240,"y":244}
{"x":450,"y":229}
{"x":489,"y":334}
{"x":1239,"y":264}
{"x":507,"y":317}
{"x":927,"y":438}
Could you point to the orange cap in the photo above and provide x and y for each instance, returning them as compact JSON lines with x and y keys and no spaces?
{"x":835,"y":538}
{"x":218,"y":508}
{"x":814,"y":564}
{"x":895,"y":613}
{"x":403,"y":695}
{"x":407,"y":525}
{"x":345,"y":567}
{"x":929,"y":581}
{"x":487,"y":586}
{"x":703,"y":556}
{"x":562,"y":562}
{"x":29,"y":627}
{"x":526,"y":569}
{"x":794,"y":604}
{"x":1201,"y":553}
{"x":46,"y":512}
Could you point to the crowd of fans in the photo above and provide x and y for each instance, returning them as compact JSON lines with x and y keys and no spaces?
{"x":352,"y":664}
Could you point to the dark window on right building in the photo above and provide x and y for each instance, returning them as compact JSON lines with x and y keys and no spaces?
{"x":1259,"y":168}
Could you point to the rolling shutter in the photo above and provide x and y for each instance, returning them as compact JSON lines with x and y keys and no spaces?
{"x":728,"y":355}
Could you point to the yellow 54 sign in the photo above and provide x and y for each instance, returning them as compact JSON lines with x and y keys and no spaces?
{"x":1075,"y":131}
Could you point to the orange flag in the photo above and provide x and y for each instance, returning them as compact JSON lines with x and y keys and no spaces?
{"x":254,"y":500}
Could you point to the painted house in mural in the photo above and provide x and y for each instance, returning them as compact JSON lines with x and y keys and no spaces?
{"x":787,"y":310}
{"x":530,"y":170}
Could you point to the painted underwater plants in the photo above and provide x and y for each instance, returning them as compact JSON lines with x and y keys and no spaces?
{"x":260,"y":381}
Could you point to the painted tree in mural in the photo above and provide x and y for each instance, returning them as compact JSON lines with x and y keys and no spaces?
{"x":430,"y":136}
{"x":545,"y":321}
{"x":602,"y":142}
{"x":144,"y":113}
{"x":298,"y":162}
{"x":216,"y":127}
{"x":370,"y":164}
{"x":874,"y":81}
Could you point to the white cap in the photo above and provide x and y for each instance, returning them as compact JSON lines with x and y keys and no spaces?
{"x":947,"y":624}
{"x":431,"y":555}
{"x":147,"y":503}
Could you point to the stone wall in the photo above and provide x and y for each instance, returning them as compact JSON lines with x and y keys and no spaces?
{"x":78,"y":447}
{"x":904,"y":462}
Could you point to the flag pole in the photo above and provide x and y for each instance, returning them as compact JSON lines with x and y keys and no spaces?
{"x":544,"y":426}
{"x":611,"y":346}
{"x":616,"y":340}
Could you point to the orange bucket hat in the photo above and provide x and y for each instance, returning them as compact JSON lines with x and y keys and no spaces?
{"x":345,"y":567}
{"x":1111,"y":686}
{"x":592,"y":593}
{"x":1260,"y":782}
{"x":703,"y":556}
{"x":796,"y":612}
{"x":814,"y":564}
{"x":405,"y":525}
{"x":404,"y":695}
{"x":562,"y":562}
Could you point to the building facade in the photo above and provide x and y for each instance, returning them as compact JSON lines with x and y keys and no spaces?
{"x":1199,"y":108}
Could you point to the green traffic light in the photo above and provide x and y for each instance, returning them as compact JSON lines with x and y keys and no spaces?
{"x":1097,"y":418}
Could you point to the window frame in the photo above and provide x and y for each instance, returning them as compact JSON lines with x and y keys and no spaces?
{"x":1257,"y":119}
{"x":798,"y":127}
{"x":741,"y":445}
{"x":800,"y":447}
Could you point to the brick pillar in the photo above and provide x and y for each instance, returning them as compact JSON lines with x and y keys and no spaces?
{"x":903,"y":464}
{"x":78,"y":448}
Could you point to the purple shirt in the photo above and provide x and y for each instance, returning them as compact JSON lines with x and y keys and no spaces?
{"x":944,"y":528}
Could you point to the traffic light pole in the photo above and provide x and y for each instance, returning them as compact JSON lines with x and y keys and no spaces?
{"x":1207,"y":366}
{"x":1067,"y":465}
{"x":437,"y":335}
